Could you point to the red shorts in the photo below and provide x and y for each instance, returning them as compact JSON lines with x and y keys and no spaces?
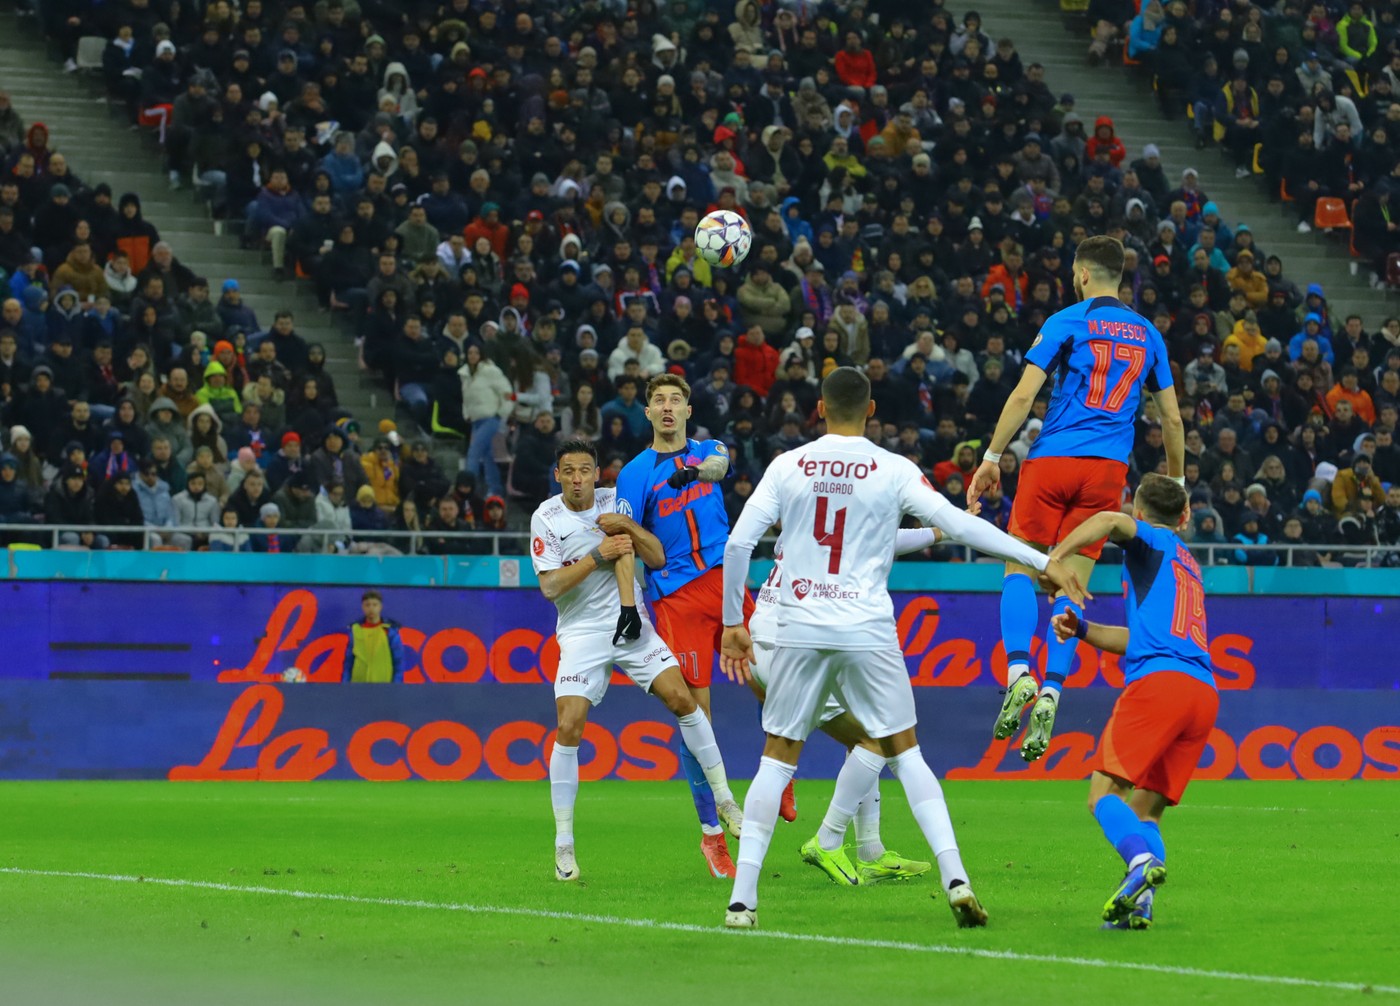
{"x":691,"y":621}
{"x":1055,"y":495}
{"x":1159,"y":727}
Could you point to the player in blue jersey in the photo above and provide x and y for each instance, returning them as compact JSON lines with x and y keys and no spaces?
{"x":672,"y":489}
{"x":1101,"y":355}
{"x":1163,"y":719}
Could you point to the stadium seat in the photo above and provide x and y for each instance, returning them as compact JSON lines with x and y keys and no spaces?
{"x":89,"y":55}
{"x":1283,"y":191}
{"x":1255,"y":165}
{"x":1331,"y":214}
{"x":1358,"y":85}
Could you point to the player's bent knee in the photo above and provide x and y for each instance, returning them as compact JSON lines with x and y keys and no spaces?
{"x":896,"y":744}
{"x":671,"y":689}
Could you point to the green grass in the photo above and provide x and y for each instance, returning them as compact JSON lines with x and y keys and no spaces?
{"x":1272,"y":879}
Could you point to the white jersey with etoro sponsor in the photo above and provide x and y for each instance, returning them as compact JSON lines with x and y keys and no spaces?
{"x":840,"y":500}
{"x":560,"y":537}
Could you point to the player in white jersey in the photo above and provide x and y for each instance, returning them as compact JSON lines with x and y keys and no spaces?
{"x":840,"y":501}
{"x":874,"y":862}
{"x":588,"y":573}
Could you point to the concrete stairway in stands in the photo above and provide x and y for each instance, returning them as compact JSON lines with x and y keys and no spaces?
{"x":1044,"y":35}
{"x":101,"y":148}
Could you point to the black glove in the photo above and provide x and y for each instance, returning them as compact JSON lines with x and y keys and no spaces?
{"x":682,"y":477}
{"x":629,"y":625}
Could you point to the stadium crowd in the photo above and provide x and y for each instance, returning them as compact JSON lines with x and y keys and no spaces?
{"x":1314,"y":86}
{"x":499,"y":202}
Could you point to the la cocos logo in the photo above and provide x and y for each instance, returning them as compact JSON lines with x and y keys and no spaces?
{"x":801,"y":587}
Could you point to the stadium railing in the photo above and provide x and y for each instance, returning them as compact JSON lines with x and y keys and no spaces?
{"x":516,"y":544}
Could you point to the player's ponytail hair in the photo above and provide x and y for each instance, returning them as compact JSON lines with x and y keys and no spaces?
{"x":1102,"y":254}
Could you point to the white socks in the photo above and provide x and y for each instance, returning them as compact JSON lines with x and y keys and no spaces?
{"x":699,"y":736}
{"x":868,"y":844}
{"x":563,"y":791}
{"x":760,"y":816}
{"x":854,"y":782}
{"x":930,"y":811}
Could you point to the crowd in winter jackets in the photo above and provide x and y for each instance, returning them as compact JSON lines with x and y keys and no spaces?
{"x":502,"y":209}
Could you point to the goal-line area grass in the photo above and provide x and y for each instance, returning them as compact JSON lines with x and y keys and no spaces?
{"x":424,"y":893}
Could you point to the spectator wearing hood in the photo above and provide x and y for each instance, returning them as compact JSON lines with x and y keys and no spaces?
{"x":115,"y":459}
{"x":1312,"y":329}
{"x":80,"y":273}
{"x":16,"y":499}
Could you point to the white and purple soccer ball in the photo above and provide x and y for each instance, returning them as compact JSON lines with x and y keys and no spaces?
{"x":723,"y":238}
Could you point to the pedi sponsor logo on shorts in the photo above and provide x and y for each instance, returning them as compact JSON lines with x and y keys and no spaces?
{"x":816,"y":589}
{"x":576,"y":679}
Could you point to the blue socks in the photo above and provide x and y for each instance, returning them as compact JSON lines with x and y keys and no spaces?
{"x":1155,"y":844}
{"x":700,"y":790}
{"x":1129,"y":835}
{"x":1059,"y":656}
{"x":1018,"y":621}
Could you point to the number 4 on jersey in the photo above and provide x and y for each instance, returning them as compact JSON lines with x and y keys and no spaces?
{"x":832,"y":539}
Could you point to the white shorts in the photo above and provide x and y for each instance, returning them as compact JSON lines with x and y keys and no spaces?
{"x":872,"y":684}
{"x":762,"y":668}
{"x":586,"y":663}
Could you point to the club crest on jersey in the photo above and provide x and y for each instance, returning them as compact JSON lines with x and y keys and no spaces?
{"x":801,"y":587}
{"x":624,"y":507}
{"x":537,"y":546}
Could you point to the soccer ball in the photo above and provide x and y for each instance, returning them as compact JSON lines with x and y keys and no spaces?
{"x":723,"y":238}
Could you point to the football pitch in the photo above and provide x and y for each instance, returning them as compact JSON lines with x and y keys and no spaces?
{"x":347,"y":893}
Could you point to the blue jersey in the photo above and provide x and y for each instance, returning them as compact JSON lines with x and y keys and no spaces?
{"x":1166,"y":606}
{"x":1099,"y":354}
{"x":691,"y":523}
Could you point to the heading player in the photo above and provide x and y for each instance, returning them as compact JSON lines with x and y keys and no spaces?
{"x":874,"y":862}
{"x":671,"y":490}
{"x":840,"y":500}
{"x":1163,"y":719}
{"x":579,"y":566}
{"x":1102,"y":354}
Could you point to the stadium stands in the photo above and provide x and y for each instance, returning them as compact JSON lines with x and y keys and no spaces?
{"x":481,"y":187}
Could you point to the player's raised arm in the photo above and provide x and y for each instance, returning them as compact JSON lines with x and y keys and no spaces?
{"x":761,"y":512}
{"x":915,"y":539}
{"x":1013,"y":416}
{"x":1112,"y":524}
{"x":1173,"y":432}
{"x":917,"y":498}
{"x":713,"y":468}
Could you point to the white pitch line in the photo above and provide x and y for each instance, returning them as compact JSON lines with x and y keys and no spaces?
{"x":685,"y":927}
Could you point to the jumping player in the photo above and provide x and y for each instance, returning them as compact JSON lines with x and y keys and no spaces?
{"x":874,"y":862}
{"x":671,"y":489}
{"x":579,"y":565}
{"x":840,"y":500}
{"x":1161,"y":722}
{"x":1102,"y":354}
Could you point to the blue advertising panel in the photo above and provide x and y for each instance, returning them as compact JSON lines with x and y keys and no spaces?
{"x":183,"y":681}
